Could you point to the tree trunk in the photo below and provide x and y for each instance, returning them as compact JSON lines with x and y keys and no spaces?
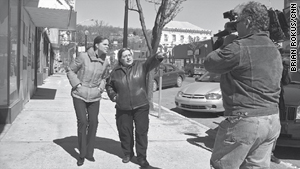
{"x":156,"y":34}
{"x":150,"y":79}
{"x":166,"y":12}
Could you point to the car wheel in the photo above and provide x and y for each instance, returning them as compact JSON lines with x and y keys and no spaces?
{"x":179,"y":81}
{"x":190,"y":74}
{"x":155,"y":86}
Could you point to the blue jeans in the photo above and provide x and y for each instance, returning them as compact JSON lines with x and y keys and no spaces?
{"x":245,"y":142}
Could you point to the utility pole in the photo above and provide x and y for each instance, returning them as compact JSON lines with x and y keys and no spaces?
{"x":125,"y":29}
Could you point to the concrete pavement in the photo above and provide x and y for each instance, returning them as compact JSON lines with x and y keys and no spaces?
{"x":44,"y":136}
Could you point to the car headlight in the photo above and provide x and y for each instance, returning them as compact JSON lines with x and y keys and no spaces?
{"x":213,"y":96}
{"x":297,"y":120}
{"x":179,"y":94}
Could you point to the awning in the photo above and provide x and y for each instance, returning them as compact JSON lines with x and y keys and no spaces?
{"x":53,"y":18}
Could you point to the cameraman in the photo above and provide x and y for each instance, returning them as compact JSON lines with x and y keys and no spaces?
{"x":250,"y":67}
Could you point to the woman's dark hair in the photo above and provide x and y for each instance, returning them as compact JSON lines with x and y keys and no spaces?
{"x":97,"y":40}
{"x":120,"y":53}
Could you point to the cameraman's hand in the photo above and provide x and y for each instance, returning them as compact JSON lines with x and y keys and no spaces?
{"x":229,"y":38}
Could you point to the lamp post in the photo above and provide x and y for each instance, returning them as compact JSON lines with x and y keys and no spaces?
{"x":86,"y":32}
{"x":205,"y":45}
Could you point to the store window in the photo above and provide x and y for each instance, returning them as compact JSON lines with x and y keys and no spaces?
{"x":166,"y":38}
{"x":3,"y":52}
{"x":182,"y":38}
{"x":174,"y":38}
{"x":191,"y":39}
{"x":14,"y":59}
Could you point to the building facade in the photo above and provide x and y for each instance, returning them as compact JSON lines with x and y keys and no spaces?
{"x":184,"y":42}
{"x":26,"y":51}
{"x":178,"y":33}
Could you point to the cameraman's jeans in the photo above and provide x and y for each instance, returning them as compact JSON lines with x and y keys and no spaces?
{"x":245,"y":142}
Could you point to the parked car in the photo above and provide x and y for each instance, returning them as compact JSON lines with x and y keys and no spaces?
{"x":290,"y":119}
{"x":172,"y":76}
{"x":204,"y":95}
{"x":192,"y":69}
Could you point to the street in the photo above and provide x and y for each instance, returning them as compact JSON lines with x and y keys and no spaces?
{"x":290,"y":156}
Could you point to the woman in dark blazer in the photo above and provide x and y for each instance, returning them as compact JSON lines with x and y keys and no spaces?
{"x":127,"y":87}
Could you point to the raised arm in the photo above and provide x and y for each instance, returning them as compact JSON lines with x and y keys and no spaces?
{"x":224,"y":59}
{"x":153,"y":61}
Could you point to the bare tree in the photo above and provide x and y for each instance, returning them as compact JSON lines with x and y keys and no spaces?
{"x":167,"y":10}
{"x":195,"y":45}
{"x":99,"y":27}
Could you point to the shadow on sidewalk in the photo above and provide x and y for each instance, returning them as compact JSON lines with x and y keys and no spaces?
{"x":3,"y":118}
{"x":2,"y":126}
{"x":44,"y":94}
{"x":69,"y":144}
{"x":206,"y":142}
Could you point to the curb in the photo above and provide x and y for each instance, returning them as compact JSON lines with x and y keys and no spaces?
{"x":181,"y":116}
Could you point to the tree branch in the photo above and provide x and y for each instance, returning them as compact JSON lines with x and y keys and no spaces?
{"x":132,"y":9}
{"x":142,"y":20}
{"x":153,"y":1}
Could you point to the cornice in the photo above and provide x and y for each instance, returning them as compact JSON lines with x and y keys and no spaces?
{"x":187,"y":30}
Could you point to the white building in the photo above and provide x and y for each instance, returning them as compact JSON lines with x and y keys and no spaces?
{"x":176,"y":32}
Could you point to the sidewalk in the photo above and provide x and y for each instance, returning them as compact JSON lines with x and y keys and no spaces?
{"x":44,"y":136}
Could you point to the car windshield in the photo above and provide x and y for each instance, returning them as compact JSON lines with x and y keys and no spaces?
{"x":209,"y":77}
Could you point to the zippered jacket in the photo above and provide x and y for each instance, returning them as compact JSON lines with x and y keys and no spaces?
{"x":87,"y":69}
{"x":127,"y":85}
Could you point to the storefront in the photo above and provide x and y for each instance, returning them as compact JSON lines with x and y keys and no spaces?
{"x":25,"y":51}
{"x":192,"y":52}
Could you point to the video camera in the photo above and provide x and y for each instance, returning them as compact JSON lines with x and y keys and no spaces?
{"x":278,"y":27}
{"x":230,"y":26}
